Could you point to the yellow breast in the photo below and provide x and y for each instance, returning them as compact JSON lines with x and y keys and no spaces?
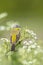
{"x":13,"y":38}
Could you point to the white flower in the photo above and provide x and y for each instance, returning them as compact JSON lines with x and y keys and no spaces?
{"x":30,"y":62}
{"x":24,"y":42}
{"x":27,"y":43}
{"x":33,"y":46}
{"x":38,"y":46}
{"x":24,"y":62}
{"x":2,"y":15}
{"x":27,"y":30}
{"x":32,"y":33}
{"x":2,"y":28}
{"x":30,"y":42}
{"x":24,"y":47}
{"x":5,"y":39}
{"x":35,"y":37}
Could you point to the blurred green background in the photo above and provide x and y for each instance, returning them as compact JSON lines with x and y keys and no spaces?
{"x":26,"y":12}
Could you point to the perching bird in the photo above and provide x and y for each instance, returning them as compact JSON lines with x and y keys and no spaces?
{"x":15,"y":36}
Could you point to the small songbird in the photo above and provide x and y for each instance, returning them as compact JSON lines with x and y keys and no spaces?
{"x":15,"y":36}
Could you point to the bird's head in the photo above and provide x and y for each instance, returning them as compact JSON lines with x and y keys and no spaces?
{"x":16,"y":29}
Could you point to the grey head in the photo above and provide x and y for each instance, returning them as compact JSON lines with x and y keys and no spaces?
{"x":17,"y":26}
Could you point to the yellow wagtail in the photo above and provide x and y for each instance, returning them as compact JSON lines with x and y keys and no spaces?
{"x":15,"y":36}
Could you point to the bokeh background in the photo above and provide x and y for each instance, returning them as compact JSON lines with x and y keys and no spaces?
{"x":26,"y":12}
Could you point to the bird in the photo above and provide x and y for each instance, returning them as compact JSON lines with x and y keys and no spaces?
{"x":15,"y":36}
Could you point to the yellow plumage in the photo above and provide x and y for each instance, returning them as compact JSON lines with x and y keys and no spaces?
{"x":15,"y":35}
{"x":13,"y":38}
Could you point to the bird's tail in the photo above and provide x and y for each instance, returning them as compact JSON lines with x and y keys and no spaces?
{"x":13,"y":47}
